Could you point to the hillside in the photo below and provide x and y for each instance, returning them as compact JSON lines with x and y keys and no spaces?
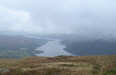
{"x":90,"y":47}
{"x":18,"y":46}
{"x":60,"y":65}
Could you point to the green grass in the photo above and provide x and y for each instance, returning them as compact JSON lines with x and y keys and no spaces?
{"x":110,"y":72}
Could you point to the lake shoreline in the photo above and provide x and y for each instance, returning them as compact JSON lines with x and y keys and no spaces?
{"x":53,"y":48}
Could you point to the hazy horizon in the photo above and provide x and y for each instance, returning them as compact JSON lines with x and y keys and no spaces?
{"x":85,"y":18}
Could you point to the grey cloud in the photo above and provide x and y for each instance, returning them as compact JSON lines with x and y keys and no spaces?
{"x":81,"y":17}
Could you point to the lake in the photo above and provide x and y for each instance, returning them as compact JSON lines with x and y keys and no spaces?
{"x":53,"y":48}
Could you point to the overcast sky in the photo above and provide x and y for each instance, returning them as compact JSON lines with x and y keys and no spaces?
{"x":83,"y":17}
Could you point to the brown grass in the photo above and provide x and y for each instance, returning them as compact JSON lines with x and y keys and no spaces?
{"x":61,"y":65}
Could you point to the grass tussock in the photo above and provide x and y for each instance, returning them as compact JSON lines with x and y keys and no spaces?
{"x":61,"y":65}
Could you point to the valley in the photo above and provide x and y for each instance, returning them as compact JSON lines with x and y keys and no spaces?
{"x":18,"y":46}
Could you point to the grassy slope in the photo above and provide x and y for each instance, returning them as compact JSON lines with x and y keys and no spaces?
{"x":61,"y":65}
{"x":19,"y":46}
